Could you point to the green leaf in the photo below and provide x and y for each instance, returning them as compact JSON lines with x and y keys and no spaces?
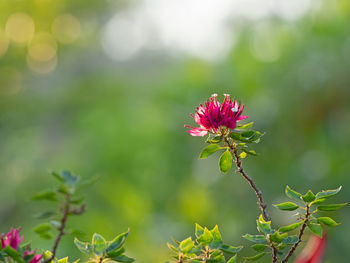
{"x":290,"y":240}
{"x":45,"y":195}
{"x":245,"y":126}
{"x":206,"y":238}
{"x":63,"y":260}
{"x":99,"y":244}
{"x":259,"y":247}
{"x":217,"y":239}
{"x":263,"y":226}
{"x":243,"y":155}
{"x":292,"y":194}
{"x":216,"y":257}
{"x":328,"y":193}
{"x":315,"y":228}
{"x":287,"y":206}
{"x":123,"y":258}
{"x":215,"y":139}
{"x":318,"y":201}
{"x":47,"y":254}
{"x":327,"y":221}
{"x":330,"y":207}
{"x":277,"y":237}
{"x":14,"y":254}
{"x":251,"y":152}
{"x":290,"y":227}
{"x":225,"y":161}
{"x":209,"y":150}
{"x":230,"y":249}
{"x":84,"y":247}
{"x":69,"y":178}
{"x":116,"y":252}
{"x":309,"y":196}
{"x":57,"y":176}
{"x":246,"y":136}
{"x":173,"y":248}
{"x":261,"y":239}
{"x":232,"y":259}
{"x":199,"y":230}
{"x":42,"y":228}
{"x":117,"y":242}
{"x":256,"y":257}
{"x":186,"y":245}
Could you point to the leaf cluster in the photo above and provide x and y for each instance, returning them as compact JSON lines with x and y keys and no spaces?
{"x":65,"y":199}
{"x":207,"y":247}
{"x":101,"y":250}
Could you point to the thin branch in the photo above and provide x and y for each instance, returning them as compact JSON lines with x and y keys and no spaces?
{"x":302,"y":229}
{"x":250,"y":181}
{"x":274,"y":253}
{"x":63,"y":222}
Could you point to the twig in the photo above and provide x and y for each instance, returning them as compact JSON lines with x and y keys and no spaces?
{"x":258,"y":193}
{"x":302,"y":229}
{"x":60,"y":229}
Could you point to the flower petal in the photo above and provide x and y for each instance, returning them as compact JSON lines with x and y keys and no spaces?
{"x":198,"y":132}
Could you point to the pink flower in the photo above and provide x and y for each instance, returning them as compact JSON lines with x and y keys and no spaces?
{"x":35,"y":259}
{"x":12,"y":239}
{"x":216,"y":116}
{"x":313,"y":251}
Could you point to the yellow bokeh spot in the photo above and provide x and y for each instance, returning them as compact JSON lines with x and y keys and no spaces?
{"x":42,"y":48}
{"x":20,"y":28}
{"x":42,"y":67}
{"x":66,"y":28}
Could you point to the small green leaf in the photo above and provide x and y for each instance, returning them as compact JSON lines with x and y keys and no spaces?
{"x":256,"y":257}
{"x":99,"y":244}
{"x":217,"y":239}
{"x":261,"y":239}
{"x":215,"y":139}
{"x":173,"y":248}
{"x":232,"y":259}
{"x":199,"y":230}
{"x":330,"y":207}
{"x":230,"y":249}
{"x":245,"y":126}
{"x":292,"y":194}
{"x":45,"y":195}
{"x":206,"y":238}
{"x":123,"y":258}
{"x":42,"y":228}
{"x":69,"y":178}
{"x":263,"y":226}
{"x":290,"y":240}
{"x":287,"y":206}
{"x":251,"y":152}
{"x":290,"y":227}
{"x":318,"y":201}
{"x":309,"y":196}
{"x":116,"y":252}
{"x":209,"y":150}
{"x":277,"y":237}
{"x":327,"y":193}
{"x":117,"y":242}
{"x":63,"y":260}
{"x":315,"y":228}
{"x":225,"y":162}
{"x":327,"y":221}
{"x":186,"y":245}
{"x":259,"y":247}
{"x":84,"y":247}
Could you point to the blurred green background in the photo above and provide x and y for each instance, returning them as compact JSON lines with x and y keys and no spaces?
{"x":104,"y":88}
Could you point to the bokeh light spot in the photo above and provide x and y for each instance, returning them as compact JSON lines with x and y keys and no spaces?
{"x":43,"y":47}
{"x":20,"y":28}
{"x":41,"y":67}
{"x":66,"y":28}
{"x":4,"y":43}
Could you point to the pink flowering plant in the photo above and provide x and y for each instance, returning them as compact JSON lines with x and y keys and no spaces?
{"x":221,"y":123}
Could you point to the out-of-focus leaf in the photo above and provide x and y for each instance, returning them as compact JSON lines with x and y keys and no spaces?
{"x":45,"y":195}
{"x":292,"y":194}
{"x":327,"y":221}
{"x":328,"y":193}
{"x":209,"y":150}
{"x":225,"y":161}
{"x":333,"y":207}
{"x":287,"y":206}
